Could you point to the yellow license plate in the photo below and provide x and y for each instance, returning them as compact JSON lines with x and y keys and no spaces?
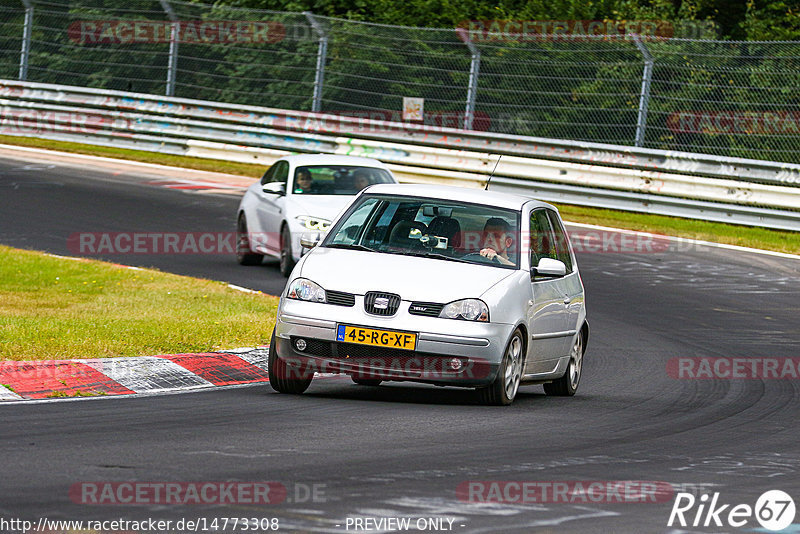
{"x":379,"y":338}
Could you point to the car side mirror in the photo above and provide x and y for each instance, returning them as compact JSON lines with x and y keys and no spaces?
{"x":310,"y":241}
{"x":274,"y":188}
{"x":549,"y":268}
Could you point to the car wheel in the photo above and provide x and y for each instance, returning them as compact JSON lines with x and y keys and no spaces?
{"x":244,"y":254}
{"x":567,"y":385}
{"x":287,"y":261}
{"x":279,"y":372}
{"x":367,"y":381}
{"x":504,"y":388}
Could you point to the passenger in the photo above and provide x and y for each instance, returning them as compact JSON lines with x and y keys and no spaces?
{"x":497,"y":240}
{"x":303,"y":183}
{"x":361,"y":179}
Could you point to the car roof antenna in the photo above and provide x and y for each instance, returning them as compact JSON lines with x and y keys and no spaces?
{"x":490,"y":176}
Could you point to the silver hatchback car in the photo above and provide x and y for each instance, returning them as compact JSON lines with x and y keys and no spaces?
{"x":436,"y":284}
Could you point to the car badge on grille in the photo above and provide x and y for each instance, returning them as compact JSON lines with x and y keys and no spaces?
{"x":381,"y":303}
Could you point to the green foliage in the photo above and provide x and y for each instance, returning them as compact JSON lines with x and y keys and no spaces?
{"x":767,"y":20}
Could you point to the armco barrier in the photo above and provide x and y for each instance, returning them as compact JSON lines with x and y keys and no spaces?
{"x":689,"y":185}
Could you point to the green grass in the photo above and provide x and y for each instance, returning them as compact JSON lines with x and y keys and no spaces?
{"x":77,"y":393}
{"x":696,"y":229}
{"x":55,"y":308}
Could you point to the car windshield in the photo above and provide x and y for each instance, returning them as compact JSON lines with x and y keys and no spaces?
{"x":444,"y":230}
{"x":337,"y":179}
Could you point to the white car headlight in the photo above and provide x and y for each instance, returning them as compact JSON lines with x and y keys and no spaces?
{"x":467,"y":309}
{"x":305,"y":289}
{"x":314,"y":223}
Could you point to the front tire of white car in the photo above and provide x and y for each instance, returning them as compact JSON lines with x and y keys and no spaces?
{"x":505,"y":386}
{"x":279,"y":373}
{"x":244,"y":254}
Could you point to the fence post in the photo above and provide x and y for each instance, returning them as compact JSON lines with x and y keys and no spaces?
{"x":174,"y":36}
{"x":322,"y":53}
{"x":644,"y":95}
{"x":26,"y":41}
{"x":474,"y":71}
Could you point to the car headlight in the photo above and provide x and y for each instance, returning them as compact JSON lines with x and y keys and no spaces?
{"x":305,"y":289}
{"x":314,"y":223}
{"x":467,"y":309}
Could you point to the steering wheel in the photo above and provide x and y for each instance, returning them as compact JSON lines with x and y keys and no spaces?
{"x":476,"y":256}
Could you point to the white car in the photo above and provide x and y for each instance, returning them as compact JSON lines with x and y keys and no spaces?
{"x":299,"y":195}
{"x":436,"y":284}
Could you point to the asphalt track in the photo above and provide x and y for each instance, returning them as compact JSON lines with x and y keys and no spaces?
{"x":403,"y":450}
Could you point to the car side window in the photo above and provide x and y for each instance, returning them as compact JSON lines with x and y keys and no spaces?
{"x":542,"y":239}
{"x":268,"y":175}
{"x":281,"y":173}
{"x":561,"y":241}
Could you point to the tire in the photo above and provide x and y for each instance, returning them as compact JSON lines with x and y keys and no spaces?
{"x":567,"y":385}
{"x":244,"y":254}
{"x":367,"y":381}
{"x":287,"y":261}
{"x":505,"y":386}
{"x":278,"y":373}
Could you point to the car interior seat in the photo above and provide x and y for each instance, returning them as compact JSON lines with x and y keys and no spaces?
{"x":343,"y":181}
{"x":399,"y":236}
{"x":446,"y":227}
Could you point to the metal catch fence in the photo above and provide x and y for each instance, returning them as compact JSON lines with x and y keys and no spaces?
{"x":738,"y":99}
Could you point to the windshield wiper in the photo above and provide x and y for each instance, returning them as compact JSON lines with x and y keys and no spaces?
{"x":351,"y":246}
{"x":423,"y":254}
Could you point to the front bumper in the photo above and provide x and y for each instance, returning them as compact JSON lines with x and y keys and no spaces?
{"x":478,"y":347}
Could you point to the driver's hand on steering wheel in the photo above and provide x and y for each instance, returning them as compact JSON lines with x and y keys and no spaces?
{"x":488,"y":253}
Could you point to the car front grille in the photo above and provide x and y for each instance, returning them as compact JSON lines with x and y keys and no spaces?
{"x":340,"y":298}
{"x":428,"y":309}
{"x":392,"y":302}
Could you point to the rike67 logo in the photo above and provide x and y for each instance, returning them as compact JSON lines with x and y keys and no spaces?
{"x":774,"y":511}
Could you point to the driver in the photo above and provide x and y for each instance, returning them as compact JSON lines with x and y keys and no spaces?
{"x":497,"y":240}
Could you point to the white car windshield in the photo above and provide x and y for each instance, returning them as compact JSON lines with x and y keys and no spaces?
{"x":337,"y":179}
{"x":439,"y":229}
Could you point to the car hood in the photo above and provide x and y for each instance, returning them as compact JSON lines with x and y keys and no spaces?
{"x":323,"y":206}
{"x":413,"y":278}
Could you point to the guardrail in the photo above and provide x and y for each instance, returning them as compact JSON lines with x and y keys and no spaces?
{"x":707,"y":187}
